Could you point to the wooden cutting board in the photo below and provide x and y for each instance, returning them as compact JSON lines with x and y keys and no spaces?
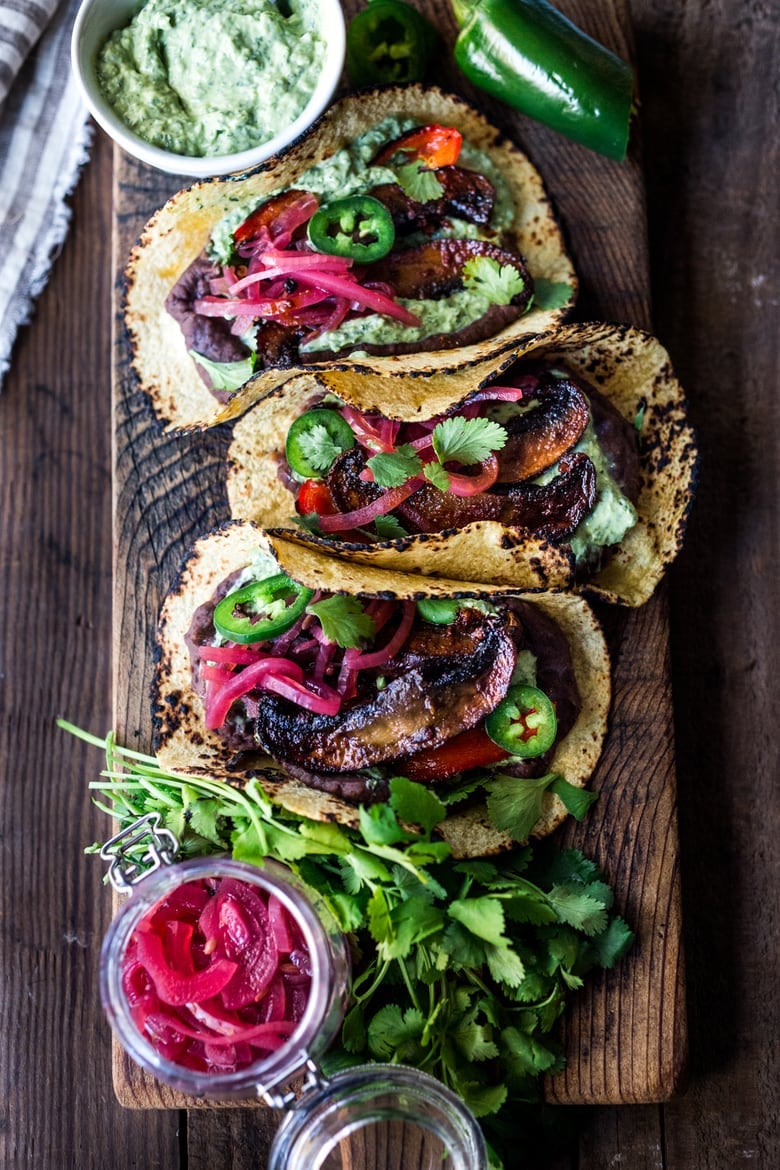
{"x":625,"y":1035}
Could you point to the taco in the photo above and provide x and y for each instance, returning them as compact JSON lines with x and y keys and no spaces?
{"x":355,"y":675}
{"x":402,"y":236}
{"x":576,"y":469}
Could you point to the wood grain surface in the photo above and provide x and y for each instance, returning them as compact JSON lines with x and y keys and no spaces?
{"x":625,"y":1038}
{"x":708,"y":72}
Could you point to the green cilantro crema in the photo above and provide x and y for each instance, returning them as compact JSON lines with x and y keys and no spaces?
{"x":212,"y":77}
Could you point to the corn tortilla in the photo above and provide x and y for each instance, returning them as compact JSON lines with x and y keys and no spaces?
{"x":628,"y":366}
{"x":184,"y":744}
{"x":178,"y":232}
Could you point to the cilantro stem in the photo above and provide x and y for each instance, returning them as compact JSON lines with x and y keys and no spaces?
{"x":366,"y":995}
{"x":409,"y":986}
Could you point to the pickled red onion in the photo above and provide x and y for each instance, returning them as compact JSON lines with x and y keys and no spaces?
{"x":253,"y":676}
{"x":183,"y":945}
{"x":369,"y":512}
{"x":360,"y":661}
{"x":471,"y":485}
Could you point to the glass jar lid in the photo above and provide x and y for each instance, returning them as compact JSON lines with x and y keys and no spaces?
{"x":379,"y":1117}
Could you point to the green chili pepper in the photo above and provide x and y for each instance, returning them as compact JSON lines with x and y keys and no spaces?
{"x":261,"y":610}
{"x":527,"y":54}
{"x":359,"y":227}
{"x":523,"y":723}
{"x":389,"y":42}
{"x":440,"y":611}
{"x":315,"y":440}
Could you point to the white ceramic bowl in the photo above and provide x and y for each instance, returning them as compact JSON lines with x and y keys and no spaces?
{"x":96,"y":19}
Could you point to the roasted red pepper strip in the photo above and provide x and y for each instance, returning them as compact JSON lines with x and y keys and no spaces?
{"x":314,"y":496}
{"x":470,"y":749}
{"x":433,"y":146}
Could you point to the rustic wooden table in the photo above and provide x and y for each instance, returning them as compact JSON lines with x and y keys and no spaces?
{"x":708,"y":72}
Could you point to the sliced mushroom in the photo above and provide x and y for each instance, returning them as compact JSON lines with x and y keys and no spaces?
{"x":540,"y":437}
{"x":551,"y":511}
{"x":465,"y":194}
{"x":445,"y":681}
{"x":435,"y":269}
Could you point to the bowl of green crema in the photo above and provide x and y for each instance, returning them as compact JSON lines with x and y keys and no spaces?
{"x":207,"y":87}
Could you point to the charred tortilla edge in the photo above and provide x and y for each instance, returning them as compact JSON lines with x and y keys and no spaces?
{"x":630,"y":368}
{"x":184,"y":745}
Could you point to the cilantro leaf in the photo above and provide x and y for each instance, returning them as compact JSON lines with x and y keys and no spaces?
{"x":571,"y":865}
{"x":550,"y":294}
{"x":227,"y":376}
{"x":379,"y":825}
{"x":467,"y":440}
{"x":389,"y":528}
{"x":353,"y":1030}
{"x":392,"y":468}
{"x":611,"y":944}
{"x":379,"y":921}
{"x":505,"y":965}
{"x":318,"y":447}
{"x":474,"y":1040}
{"x":395,"y":1034}
{"x":482,"y":1099}
{"x":576,"y":801}
{"x":483,"y":917}
{"x":501,"y":283}
{"x":575,"y":907}
{"x":436,"y":474}
{"x":309,"y":522}
{"x":328,"y":835}
{"x":515,"y":805}
{"x":527,"y":1056}
{"x":418,"y":182}
{"x":416,"y":804}
{"x":343,"y":620}
{"x":411,"y":922}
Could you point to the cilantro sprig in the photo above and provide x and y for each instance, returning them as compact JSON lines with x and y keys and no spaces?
{"x":418,"y":182}
{"x":455,"y":440}
{"x":318,"y":448}
{"x":461,"y":968}
{"x":500,"y":283}
{"x":343,"y":620}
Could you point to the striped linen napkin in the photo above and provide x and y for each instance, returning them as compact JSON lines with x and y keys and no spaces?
{"x":44,"y":142}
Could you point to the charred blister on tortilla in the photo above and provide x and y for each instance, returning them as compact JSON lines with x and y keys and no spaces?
{"x":550,"y":478}
{"x":403,"y":229}
{"x":330,"y":680}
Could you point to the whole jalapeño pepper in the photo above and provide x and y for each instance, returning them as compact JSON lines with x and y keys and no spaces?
{"x":527,"y":54}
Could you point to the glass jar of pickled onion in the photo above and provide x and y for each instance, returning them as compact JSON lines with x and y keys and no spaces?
{"x":224,"y":979}
{"x":227,"y":980}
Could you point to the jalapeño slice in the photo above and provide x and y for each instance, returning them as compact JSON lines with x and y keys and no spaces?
{"x":315,"y":440}
{"x":523,"y":723}
{"x":261,"y":610}
{"x":439,"y":611}
{"x":358,"y":227}
{"x":389,"y":42}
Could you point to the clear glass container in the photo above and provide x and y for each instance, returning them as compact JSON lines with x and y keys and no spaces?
{"x":324,"y":1009}
{"x":371,"y":1117}
{"x":379,"y":1117}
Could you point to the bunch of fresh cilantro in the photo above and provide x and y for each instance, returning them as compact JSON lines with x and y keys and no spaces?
{"x":460,"y":968}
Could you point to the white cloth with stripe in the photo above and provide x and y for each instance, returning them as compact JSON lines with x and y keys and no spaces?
{"x":44,"y":142}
